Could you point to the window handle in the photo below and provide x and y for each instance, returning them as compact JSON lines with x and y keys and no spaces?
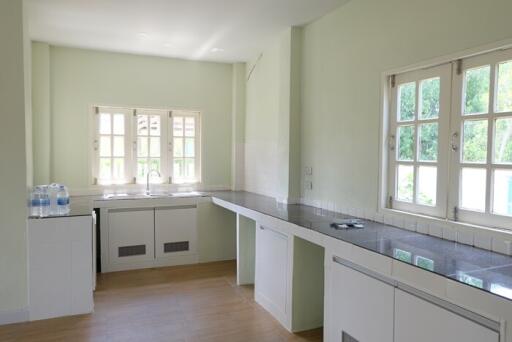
{"x":455,"y":141}
{"x":95,"y":144}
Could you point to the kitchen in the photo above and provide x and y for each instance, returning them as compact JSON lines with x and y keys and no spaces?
{"x":256,"y":170}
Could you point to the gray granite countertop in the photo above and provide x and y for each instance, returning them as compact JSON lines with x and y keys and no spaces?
{"x":79,"y":206}
{"x":485,"y":270}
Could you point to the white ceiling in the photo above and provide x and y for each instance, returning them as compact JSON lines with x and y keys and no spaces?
{"x":213,"y":30}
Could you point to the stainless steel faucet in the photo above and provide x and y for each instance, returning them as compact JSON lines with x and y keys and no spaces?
{"x":147,"y":180}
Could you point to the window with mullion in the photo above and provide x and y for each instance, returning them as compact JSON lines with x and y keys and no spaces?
{"x":417,"y":130}
{"x":111,"y":162}
{"x":184,"y":158}
{"x":485,"y":183}
{"x":149,"y":146}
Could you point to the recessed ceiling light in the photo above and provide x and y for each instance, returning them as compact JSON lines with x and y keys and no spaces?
{"x":143,"y":35}
{"x":217,"y":50}
{"x":168,"y":45}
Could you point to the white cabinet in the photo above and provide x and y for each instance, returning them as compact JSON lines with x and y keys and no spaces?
{"x":272,"y":272}
{"x":60,"y":266}
{"x":176,"y":235}
{"x":421,"y":321}
{"x":131,"y":238}
{"x":358,"y":308}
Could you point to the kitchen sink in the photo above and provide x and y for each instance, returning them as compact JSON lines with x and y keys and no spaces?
{"x":153,"y":195}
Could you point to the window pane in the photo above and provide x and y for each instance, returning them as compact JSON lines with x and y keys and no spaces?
{"x":178,"y":169}
{"x":142,"y":146}
{"x":427,"y":185}
{"x":189,"y":168}
{"x":105,"y":147}
{"x":105,"y":168}
{"x":142,"y":168}
{"x":177,"y":124}
{"x":105,"y":124}
{"x":428,"y":142}
{"x":178,"y":147}
{"x":502,"y":192}
{"x":118,"y":170}
{"x":504,"y":92}
{"x":118,"y":146}
{"x":154,"y":147}
{"x":154,"y":125}
{"x":190,"y":127}
{"x":476,"y":85}
{"x":473,"y":189}
{"x":142,"y":125}
{"x":154,"y":165}
{"x":407,"y":101}
{"x":119,"y":124}
{"x":189,"y":147}
{"x":406,"y":143}
{"x":474,"y":148}
{"x":430,"y":98}
{"x":405,"y":183}
{"x":503,"y":141}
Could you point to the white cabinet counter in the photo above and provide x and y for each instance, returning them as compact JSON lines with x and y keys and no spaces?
{"x":60,"y":254}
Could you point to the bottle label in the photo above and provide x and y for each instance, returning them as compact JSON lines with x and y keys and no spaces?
{"x":63,"y":201}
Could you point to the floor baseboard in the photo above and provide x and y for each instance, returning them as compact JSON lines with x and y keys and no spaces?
{"x":14,"y":316}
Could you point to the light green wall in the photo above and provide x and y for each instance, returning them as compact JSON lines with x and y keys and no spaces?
{"x":272,"y":119}
{"x":41,"y":112}
{"x":216,"y":233}
{"x":238,"y":126}
{"x":13,"y":214}
{"x":343,"y":57}
{"x":81,"y":78}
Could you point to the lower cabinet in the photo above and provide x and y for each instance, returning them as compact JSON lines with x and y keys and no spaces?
{"x":135,"y":238}
{"x":175,"y":238}
{"x":272,"y":273}
{"x":420,"y":321}
{"x":60,"y":266}
{"x":131,"y":238}
{"x":363,"y":307}
{"x":360,"y":308}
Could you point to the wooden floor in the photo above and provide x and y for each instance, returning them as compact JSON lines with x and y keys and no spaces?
{"x":184,"y":303}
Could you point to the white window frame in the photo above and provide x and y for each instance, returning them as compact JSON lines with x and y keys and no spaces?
{"x":457,"y":119}
{"x":166,"y":147}
{"x":493,"y":53}
{"x":197,"y":145}
{"x":164,"y":154}
{"x":444,"y":73}
{"x":97,"y":110}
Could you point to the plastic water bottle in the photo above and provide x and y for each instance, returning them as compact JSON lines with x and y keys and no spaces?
{"x":63,"y":201}
{"x":35,"y":196}
{"x":44,"y":202}
{"x":53,"y":189}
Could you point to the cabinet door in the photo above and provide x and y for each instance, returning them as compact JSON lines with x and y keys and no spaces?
{"x":360,"y":308}
{"x":421,"y":321}
{"x":175,"y":231}
{"x":131,"y":238}
{"x":271,"y":274}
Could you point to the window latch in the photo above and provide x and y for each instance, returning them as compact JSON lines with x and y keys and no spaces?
{"x":455,"y":141}
{"x":392,"y":142}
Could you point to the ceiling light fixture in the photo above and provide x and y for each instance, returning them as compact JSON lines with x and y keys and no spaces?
{"x":217,"y":50}
{"x":143,"y":35}
{"x":168,"y":45}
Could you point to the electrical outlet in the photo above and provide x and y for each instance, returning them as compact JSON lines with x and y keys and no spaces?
{"x":308,"y":170}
